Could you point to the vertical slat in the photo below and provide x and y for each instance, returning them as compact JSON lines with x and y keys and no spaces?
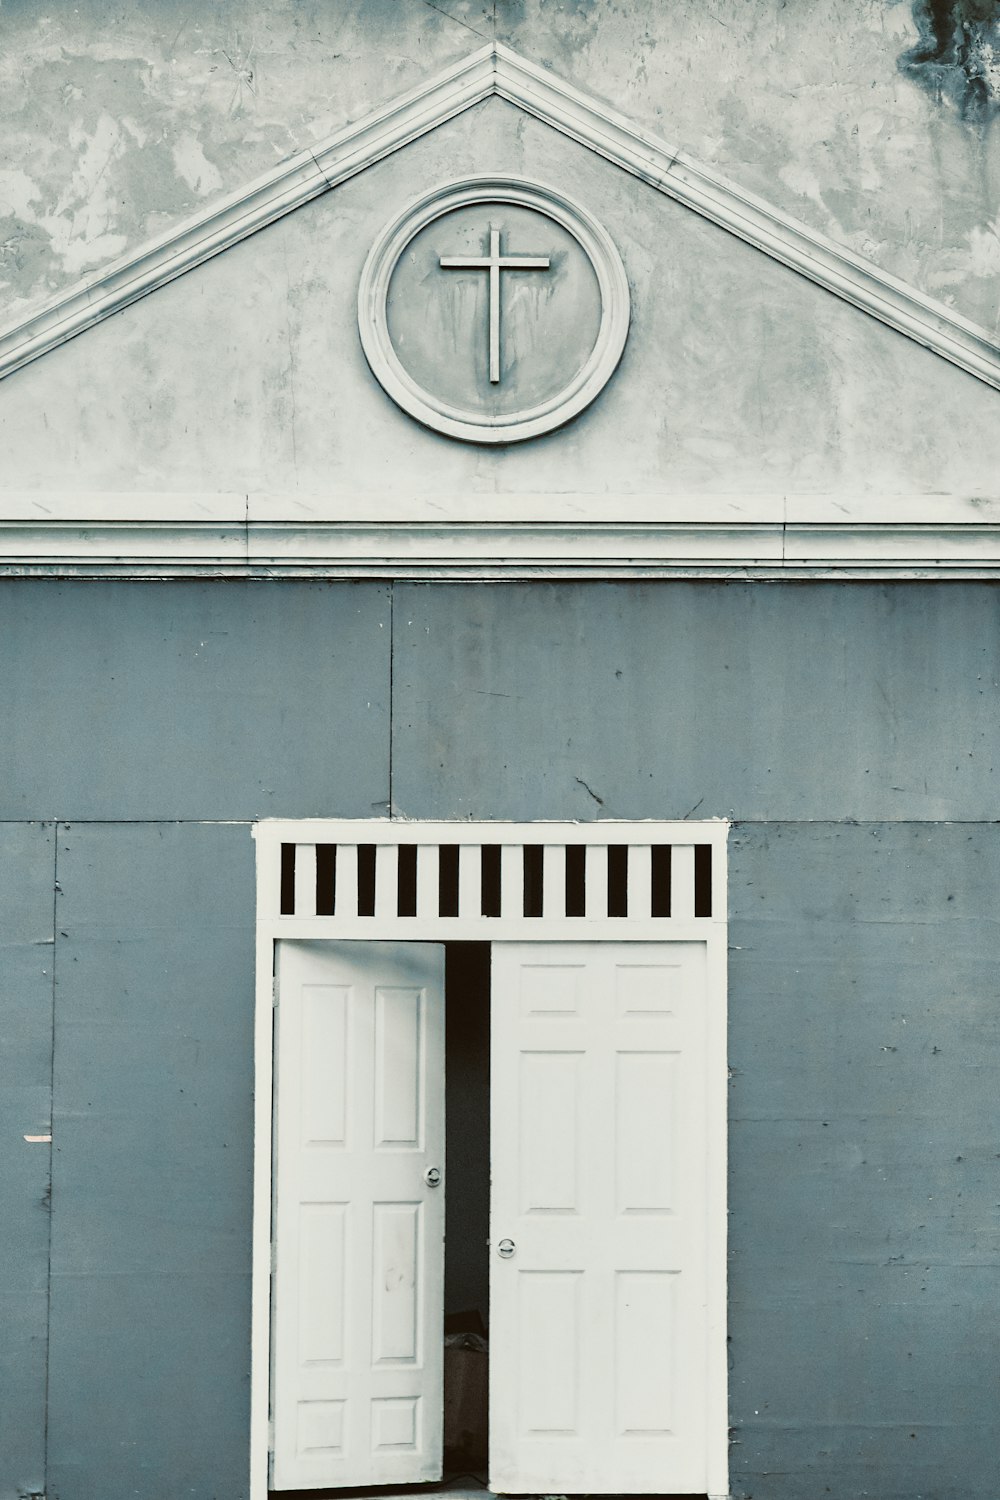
{"x":268,"y":878}
{"x":347,"y":880}
{"x":720,"y":877}
{"x":494,"y":305}
{"x":305,"y":880}
{"x":511,"y":880}
{"x":682,"y":882}
{"x":386,"y":880}
{"x":427,"y":880}
{"x":470,"y":880}
{"x":554,"y":880}
{"x":597,"y":880}
{"x":640,"y":881}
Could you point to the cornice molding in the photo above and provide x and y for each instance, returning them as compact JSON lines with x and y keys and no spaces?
{"x":766,"y":537}
{"x":496,"y":70}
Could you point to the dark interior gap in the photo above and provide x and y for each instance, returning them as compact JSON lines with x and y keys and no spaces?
{"x":448,"y":880}
{"x":366,"y":880}
{"x":406,"y":881}
{"x":534,"y":856}
{"x":288,"y":880}
{"x":491,"y":880}
{"x":703,"y":880}
{"x":576,"y":880}
{"x":660,"y":874}
{"x":618,"y":880}
{"x":326,"y":879}
{"x":467,"y":1204}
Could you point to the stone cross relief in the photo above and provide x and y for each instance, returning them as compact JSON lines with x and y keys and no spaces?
{"x":495,"y":262}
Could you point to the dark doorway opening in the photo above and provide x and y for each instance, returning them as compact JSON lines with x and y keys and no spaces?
{"x":467,"y":1207}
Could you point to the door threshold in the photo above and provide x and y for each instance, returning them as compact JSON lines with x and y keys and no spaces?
{"x":464,"y":1486}
{"x":458,"y":1487}
{"x":451,"y":1487}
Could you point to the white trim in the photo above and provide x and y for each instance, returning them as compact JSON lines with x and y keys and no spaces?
{"x":500,"y":537}
{"x":491,"y":929}
{"x":270,"y":834}
{"x":496,"y":70}
{"x":584,"y":385}
{"x":261,"y":1267}
{"x":717,"y":1167}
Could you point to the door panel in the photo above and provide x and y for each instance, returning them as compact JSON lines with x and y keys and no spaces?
{"x":358,"y":1283}
{"x":598,"y":1320}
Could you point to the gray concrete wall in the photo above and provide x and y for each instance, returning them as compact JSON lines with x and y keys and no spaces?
{"x":194,"y":702}
{"x":847,"y":729}
{"x":863,"y":1160}
{"x":148,"y":1389}
{"x":760,"y":702}
{"x":27,"y":900}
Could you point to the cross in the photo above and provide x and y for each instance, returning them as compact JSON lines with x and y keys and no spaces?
{"x":495,"y":263}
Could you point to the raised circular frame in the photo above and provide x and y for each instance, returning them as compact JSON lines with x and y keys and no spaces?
{"x":472,"y":426}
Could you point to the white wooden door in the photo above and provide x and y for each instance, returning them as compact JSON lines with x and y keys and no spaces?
{"x":598,"y":1320}
{"x":358,"y":1281}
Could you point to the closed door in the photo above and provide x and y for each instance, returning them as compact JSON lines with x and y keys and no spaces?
{"x":598,"y":1294}
{"x":358,"y":1278}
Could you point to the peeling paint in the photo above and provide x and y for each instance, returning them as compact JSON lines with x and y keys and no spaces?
{"x":25,"y":253}
{"x":984,"y":249}
{"x":194,"y":167}
{"x":957,"y":59}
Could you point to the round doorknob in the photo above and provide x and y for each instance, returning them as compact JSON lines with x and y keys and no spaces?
{"x":432,"y":1176}
{"x":506,"y":1248}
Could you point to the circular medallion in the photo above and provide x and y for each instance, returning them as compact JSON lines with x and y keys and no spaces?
{"x":493,"y":309}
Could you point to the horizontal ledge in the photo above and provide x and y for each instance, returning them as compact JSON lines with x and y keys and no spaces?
{"x":486,"y":929}
{"x":286,"y":513}
{"x":938,"y":536}
{"x":399,"y":829}
{"x":390,"y":570}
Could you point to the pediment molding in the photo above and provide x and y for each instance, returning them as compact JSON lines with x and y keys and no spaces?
{"x":496,"y":71}
{"x":509,"y":537}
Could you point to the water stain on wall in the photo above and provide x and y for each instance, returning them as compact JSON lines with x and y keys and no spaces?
{"x":957,"y":59}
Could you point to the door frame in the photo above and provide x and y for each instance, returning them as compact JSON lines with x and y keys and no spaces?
{"x":292,"y":878}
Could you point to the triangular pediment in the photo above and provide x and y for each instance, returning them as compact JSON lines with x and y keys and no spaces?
{"x":499,"y":72}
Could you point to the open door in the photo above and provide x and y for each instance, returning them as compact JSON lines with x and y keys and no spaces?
{"x":357,"y":1288}
{"x":598,"y":1317}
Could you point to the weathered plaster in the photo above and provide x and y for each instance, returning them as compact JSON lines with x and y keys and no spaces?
{"x":122,"y":120}
{"x":247,"y":374}
{"x":957,"y":59}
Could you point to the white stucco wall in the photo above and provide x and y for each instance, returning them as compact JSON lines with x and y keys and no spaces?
{"x":738,"y":377}
{"x":871,"y":121}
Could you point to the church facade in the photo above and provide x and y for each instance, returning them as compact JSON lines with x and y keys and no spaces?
{"x":498,"y":816}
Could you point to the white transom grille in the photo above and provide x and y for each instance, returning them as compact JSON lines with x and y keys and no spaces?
{"x":360,"y":878}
